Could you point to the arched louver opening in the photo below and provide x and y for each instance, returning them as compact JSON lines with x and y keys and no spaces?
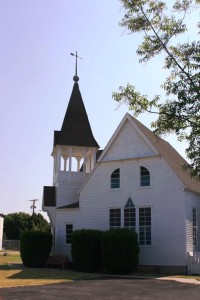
{"x":144,"y":176}
{"x":115,"y":179}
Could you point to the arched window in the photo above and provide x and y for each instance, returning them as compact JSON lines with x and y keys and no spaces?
{"x":144,"y":176}
{"x":115,"y":179}
{"x":129,"y":215}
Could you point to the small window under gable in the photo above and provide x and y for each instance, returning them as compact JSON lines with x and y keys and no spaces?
{"x":115,"y":179}
{"x":129,"y":215}
{"x":144,"y":176}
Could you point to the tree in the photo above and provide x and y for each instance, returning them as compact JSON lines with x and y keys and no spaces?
{"x":15,"y":223}
{"x":180,"y":113}
{"x":40,"y":223}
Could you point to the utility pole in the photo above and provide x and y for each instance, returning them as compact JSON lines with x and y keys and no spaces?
{"x":33,"y":205}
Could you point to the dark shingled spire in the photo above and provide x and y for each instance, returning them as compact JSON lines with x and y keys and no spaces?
{"x":76,"y":130}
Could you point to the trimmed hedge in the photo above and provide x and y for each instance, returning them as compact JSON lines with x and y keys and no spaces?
{"x":35,"y":247}
{"x":120,"y":251}
{"x":86,"y":250}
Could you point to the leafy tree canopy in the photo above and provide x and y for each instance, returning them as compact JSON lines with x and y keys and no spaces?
{"x":180,"y":113}
{"x":15,"y":223}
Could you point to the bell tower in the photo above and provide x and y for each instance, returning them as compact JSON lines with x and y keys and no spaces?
{"x":74,"y":149}
{"x":75,"y":140}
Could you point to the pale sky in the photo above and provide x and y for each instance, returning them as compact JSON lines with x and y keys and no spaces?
{"x":36,"y":81}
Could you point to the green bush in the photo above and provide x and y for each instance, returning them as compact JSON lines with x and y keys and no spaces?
{"x":86,"y":250}
{"x":120,"y":251}
{"x":35,"y":247}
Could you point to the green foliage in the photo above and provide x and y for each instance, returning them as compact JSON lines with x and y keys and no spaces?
{"x":180,"y":113}
{"x":40,"y":223}
{"x":35,"y":247}
{"x":15,"y":223}
{"x":86,"y":250}
{"x":120,"y":251}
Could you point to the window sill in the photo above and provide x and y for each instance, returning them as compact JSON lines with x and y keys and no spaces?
{"x":145,"y":246}
{"x":115,"y":189}
{"x":145,"y":187}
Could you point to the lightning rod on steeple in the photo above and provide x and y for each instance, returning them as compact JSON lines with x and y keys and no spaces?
{"x":76,"y":78}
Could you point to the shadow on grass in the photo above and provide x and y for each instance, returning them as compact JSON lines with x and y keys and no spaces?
{"x":68,"y":275}
{"x":52,"y":274}
{"x":4,"y":267}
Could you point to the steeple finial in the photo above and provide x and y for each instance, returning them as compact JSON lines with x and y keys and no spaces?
{"x":76,"y":78}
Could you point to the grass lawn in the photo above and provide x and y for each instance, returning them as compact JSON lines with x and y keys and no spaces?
{"x":13,"y":274}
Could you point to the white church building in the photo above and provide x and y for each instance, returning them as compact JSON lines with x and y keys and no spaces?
{"x":136,"y":182}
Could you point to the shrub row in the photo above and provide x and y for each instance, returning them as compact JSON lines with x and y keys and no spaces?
{"x":115,"y":251}
{"x":86,"y":250}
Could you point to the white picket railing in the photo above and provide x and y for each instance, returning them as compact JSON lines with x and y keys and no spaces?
{"x":193,"y":263}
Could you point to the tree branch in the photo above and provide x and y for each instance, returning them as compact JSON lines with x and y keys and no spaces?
{"x":164,"y":45}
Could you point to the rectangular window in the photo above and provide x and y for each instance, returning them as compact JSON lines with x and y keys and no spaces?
{"x":115,"y":218}
{"x":69,"y":230}
{"x":145,"y":225}
{"x":194,"y":226}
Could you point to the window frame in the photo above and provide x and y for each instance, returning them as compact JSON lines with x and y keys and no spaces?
{"x":145,"y":227}
{"x":115,"y":218}
{"x":130,"y":215}
{"x":145,"y":179}
{"x":68,"y":235}
{"x":115,"y":179}
{"x":194,"y":226}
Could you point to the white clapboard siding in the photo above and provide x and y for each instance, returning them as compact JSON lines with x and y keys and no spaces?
{"x":171,"y":205}
{"x":165,"y":196}
{"x":67,"y":187}
{"x":193,"y":263}
{"x":63,"y":217}
{"x":128,"y":144}
{"x":192,"y":200}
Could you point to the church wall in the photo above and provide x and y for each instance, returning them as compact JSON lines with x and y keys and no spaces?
{"x":67,"y":187}
{"x":165,"y":196}
{"x":192,"y":201}
{"x":63,"y":217}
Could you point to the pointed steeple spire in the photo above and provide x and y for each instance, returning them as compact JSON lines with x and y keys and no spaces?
{"x":76,"y":130}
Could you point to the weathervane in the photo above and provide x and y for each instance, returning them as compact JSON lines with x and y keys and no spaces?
{"x":76,"y":78}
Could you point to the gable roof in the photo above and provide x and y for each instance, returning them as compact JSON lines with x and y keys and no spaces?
{"x":76,"y":130}
{"x":171,"y":156}
{"x":161,"y":147}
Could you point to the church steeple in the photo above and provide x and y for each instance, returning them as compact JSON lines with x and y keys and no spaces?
{"x":75,"y":140}
{"x":76,"y":130}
